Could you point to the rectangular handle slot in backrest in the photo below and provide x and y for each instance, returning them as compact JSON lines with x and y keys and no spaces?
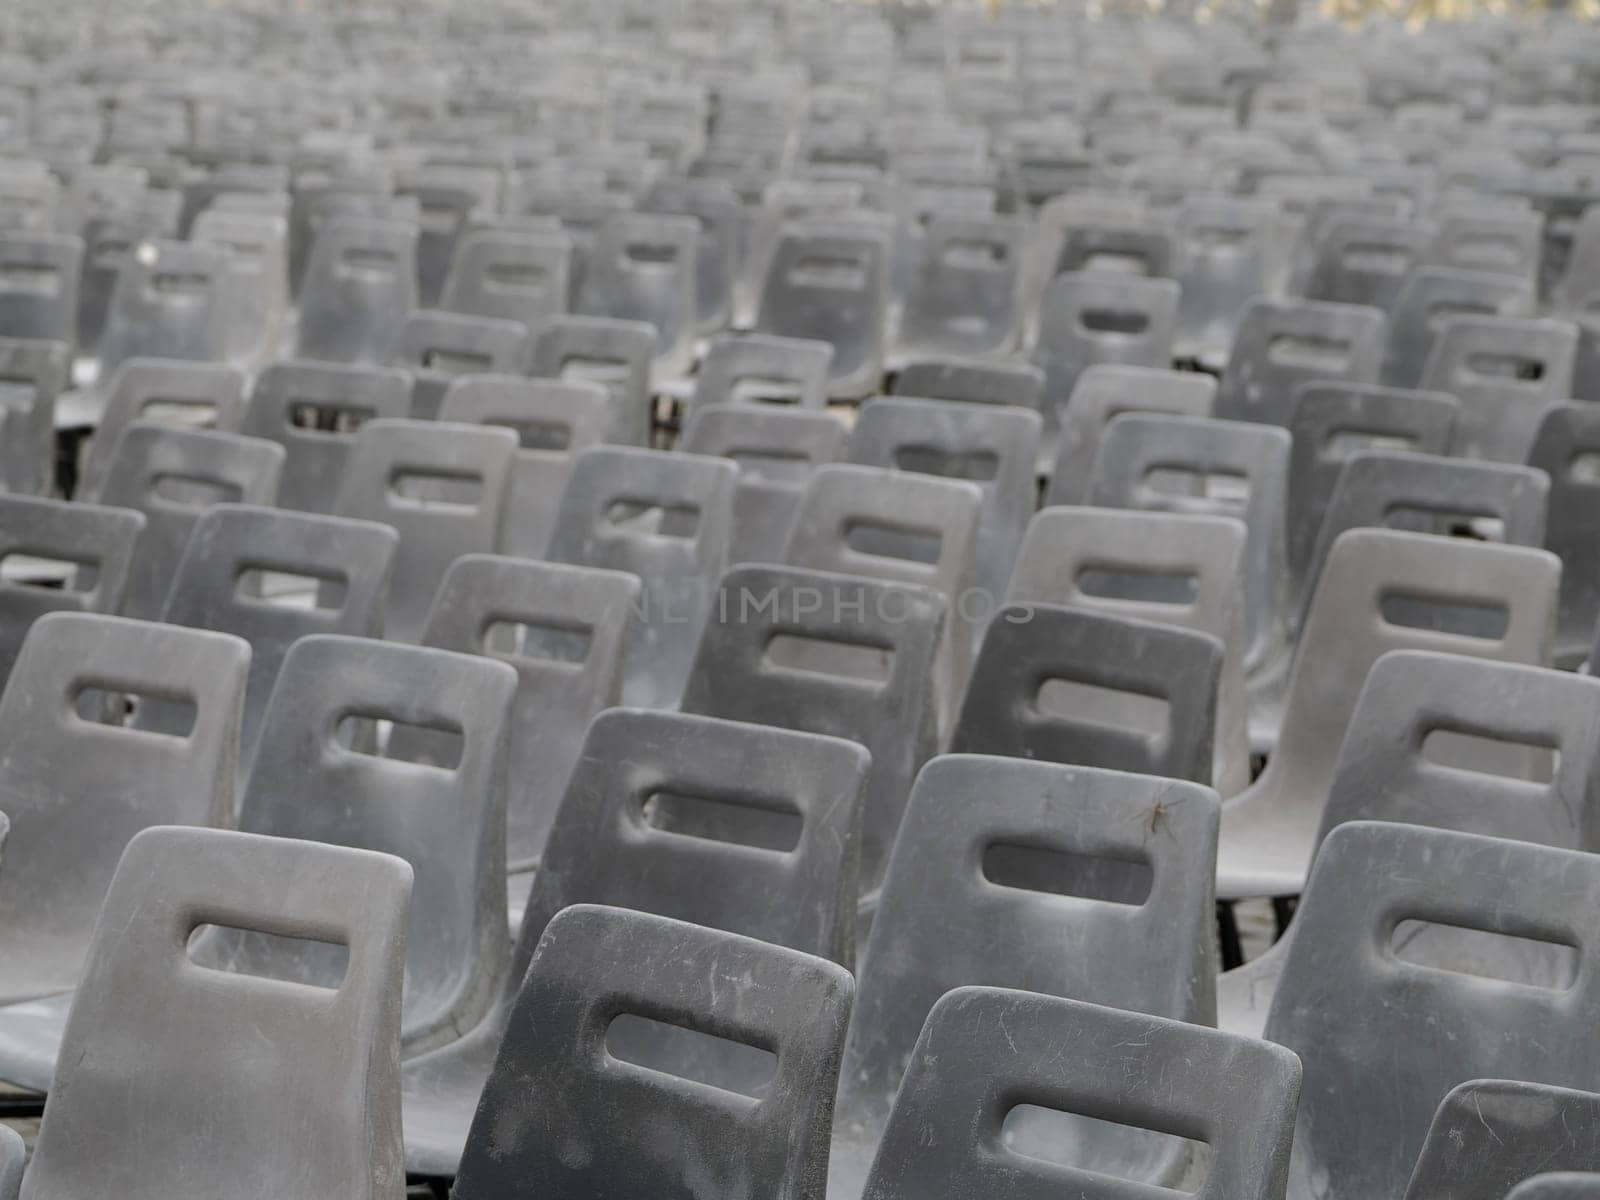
{"x":517,"y":277}
{"x":1057,"y":872}
{"x":1377,"y":258}
{"x":1518,"y":368}
{"x":255,"y":584}
{"x":704,"y":1058}
{"x":834,"y":272}
{"x":436,"y":488}
{"x":1227,"y":489}
{"x":1463,"y":950}
{"x":552,"y":435}
{"x":1125,"y":321}
{"x":1304,"y":352}
{"x":739,"y":821}
{"x":641,"y":517}
{"x":193,"y":491}
{"x":1451,"y":521}
{"x":1494,"y":251}
{"x":18,"y":390}
{"x":537,"y":641}
{"x":1144,"y":585}
{"x":368,"y":263}
{"x":1117,"y":262}
{"x":377,"y":735}
{"x":761,"y":389}
{"x":36,"y":279}
{"x":1444,"y":310}
{"x":1086,"y":704}
{"x":315,"y":416}
{"x":649,"y":254}
{"x":1485,"y":755}
{"x":1584,"y":467}
{"x":184,"y":285}
{"x":771,"y":463}
{"x":1483,"y":619}
{"x":585,"y":368}
{"x":865,"y":662}
{"x":260,"y":954}
{"x":879,"y":539}
{"x":456,"y":362}
{"x":1053,"y":1136}
{"x":102,"y":703}
{"x":49,"y":572}
{"x":979,"y":466}
{"x":1340,"y":444}
{"x":973,"y":254}
{"x":194,"y":411}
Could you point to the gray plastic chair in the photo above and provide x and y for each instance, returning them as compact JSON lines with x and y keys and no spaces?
{"x":441,"y":487}
{"x":433,"y":792}
{"x":164,"y":392}
{"x":332,"y":576}
{"x":828,"y":281}
{"x":170,"y":301}
{"x":438,"y":347}
{"x":1172,"y":569}
{"x":992,"y":445}
{"x":553,"y":421}
{"x":256,"y":274}
{"x":1104,"y":393}
{"x":1124,"y":694}
{"x":554,"y":1088}
{"x":965,"y":297}
{"x":39,"y":274}
{"x":643,"y":268}
{"x":1506,"y":373}
{"x":1431,"y":296}
{"x":60,"y":753}
{"x":1366,"y":259}
{"x":1490,"y":1135}
{"x":32,"y":374}
{"x":601,"y":350}
{"x":1089,"y":319}
{"x":360,"y":285}
{"x":666,"y":518}
{"x":971,"y":381}
{"x":741,"y":828}
{"x":752,"y":367}
{"x":879,"y":523}
{"x":563,"y":630}
{"x":776,"y":450}
{"x":1330,"y":422}
{"x":172,"y":475}
{"x":720,"y":216}
{"x":313,"y":411}
{"x":159,"y":1046}
{"x":513,"y":275}
{"x":1558,"y":1185}
{"x":1218,"y":468}
{"x":1505,"y":243}
{"x":1352,"y":990}
{"x":834,"y":654}
{"x":1380,"y":590}
{"x":1225,"y":255}
{"x":1282,"y":344}
{"x":986,"y":1054}
{"x":1565,"y":448}
{"x":1068,"y":881}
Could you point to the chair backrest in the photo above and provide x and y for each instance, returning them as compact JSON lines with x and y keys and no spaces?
{"x":553,"y":1088}
{"x":1090,"y":319}
{"x":1575,"y":289}
{"x":313,"y":411}
{"x":1067,"y":881}
{"x":992,"y":445}
{"x":965,"y":297}
{"x":1567,"y":448}
{"x":719,"y":214}
{"x":1558,"y":1185}
{"x":1101,"y":395}
{"x":755,"y":368}
{"x":1366,"y":259}
{"x":265,"y":1063}
{"x":828,"y":280}
{"x":360,"y":285}
{"x":1217,"y":468}
{"x":63,"y":713}
{"x":32,"y":374}
{"x":39,"y":275}
{"x":513,"y":275}
{"x":1225,"y":251}
{"x":733,"y":826}
{"x":776,"y":450}
{"x":161,"y":391}
{"x":172,"y":475}
{"x":432,"y":791}
{"x":988,"y":1059}
{"x":1530,"y":771}
{"x":644,"y":267}
{"x":1499,"y":242}
{"x":563,"y":629}
{"x":1172,"y":569}
{"x":1427,"y":493}
{"x":834,"y":654}
{"x":971,"y":381}
{"x":1282,"y":344}
{"x":1432,"y":295}
{"x":1506,"y":372}
{"x":441,"y":487}
{"x":1491,"y":1134}
{"x":272,"y":577}
{"x":1330,"y":422}
{"x":602,"y":350}
{"x":170,"y":301}
{"x":667,"y":518}
{"x":553,"y":420}
{"x":1352,"y":990}
{"x":438,"y":347}
{"x":1069,"y":686}
{"x":256,"y":278}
